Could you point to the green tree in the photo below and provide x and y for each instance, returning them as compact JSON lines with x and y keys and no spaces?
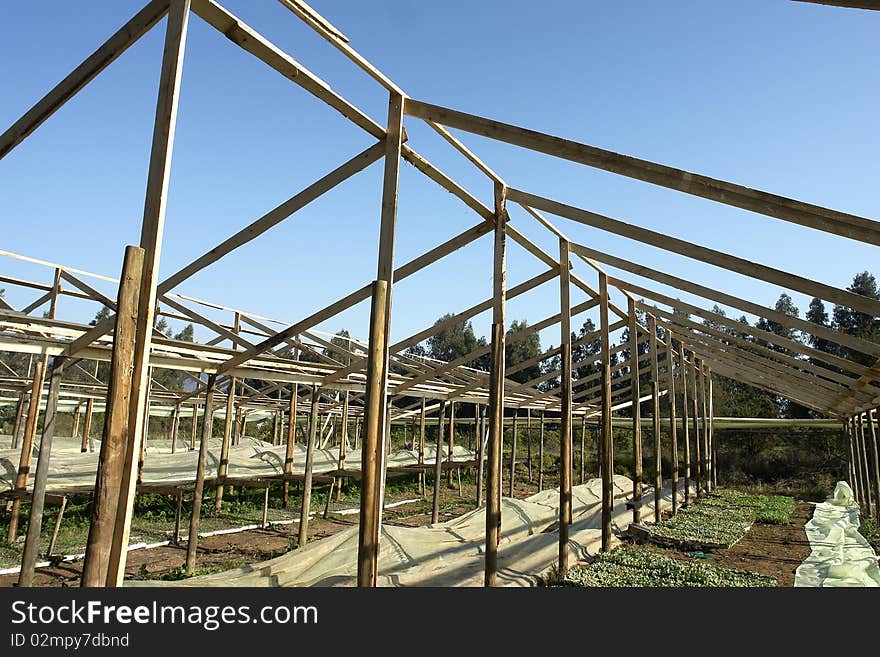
{"x":454,"y":341}
{"x":520,"y":348}
{"x":857,"y":323}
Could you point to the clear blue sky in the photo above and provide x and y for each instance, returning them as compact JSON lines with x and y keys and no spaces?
{"x":778,"y":95}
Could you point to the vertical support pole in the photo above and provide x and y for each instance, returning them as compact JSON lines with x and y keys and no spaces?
{"x":853,"y":477}
{"x":607,"y":445}
{"x":541,"y":455}
{"x":565,"y":429}
{"x":698,"y":459}
{"x":307,"y":478}
{"x":223,"y":466}
{"x":874,"y":449}
{"x":673,"y":427}
{"x":655,"y":419}
{"x":291,"y":445}
{"x":514,"y":431}
{"x":636,"y":409}
{"x":480,"y":432}
{"x":438,"y":463}
{"x":193,"y":542}
{"x":27,"y":445}
{"x":375,"y":411}
{"x":112,"y":459}
{"x":343,"y":443}
{"x":74,"y":432}
{"x":685,"y":411}
{"x":707,"y":454}
{"x":20,"y":414}
{"x":264,"y":519}
{"x":860,"y":462}
{"x":175,"y":422}
{"x":57,"y":528}
{"x":422,"y":453}
{"x":151,"y":241}
{"x":529,"y":442}
{"x":449,"y":457}
{"x":175,"y":538}
{"x":713,"y":450}
{"x":496,"y":387}
{"x":866,"y":463}
{"x":192,"y":433}
{"x":583,"y":448}
{"x":38,"y":499}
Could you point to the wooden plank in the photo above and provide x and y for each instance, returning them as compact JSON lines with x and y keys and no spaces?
{"x":111,"y":461}
{"x":837,"y":337}
{"x":636,"y":413}
{"x":152,"y":229}
{"x":275,"y":216}
{"x":606,"y":453}
{"x":192,"y":543}
{"x":565,"y":429}
{"x":703,"y":254}
{"x":496,"y":389}
{"x":83,"y":74}
{"x":38,"y":495}
{"x":655,"y":418}
{"x":771,"y":205}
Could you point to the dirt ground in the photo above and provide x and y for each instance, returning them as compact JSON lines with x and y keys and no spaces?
{"x":774,"y":550}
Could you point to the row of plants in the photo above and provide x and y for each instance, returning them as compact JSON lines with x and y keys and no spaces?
{"x":634,"y":567}
{"x":722,"y":517}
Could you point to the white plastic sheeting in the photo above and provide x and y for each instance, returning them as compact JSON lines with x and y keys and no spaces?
{"x":70,"y":470}
{"x":840,"y":554}
{"x":448,"y":553}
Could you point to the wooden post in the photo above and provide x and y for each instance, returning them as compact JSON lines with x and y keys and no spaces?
{"x":583,"y":449}
{"x":682,"y":368}
{"x":438,"y":464}
{"x":529,"y":442}
{"x":20,"y":414}
{"x":74,"y":432}
{"x":223,"y":466}
{"x":51,"y":549}
{"x":496,"y":387}
{"x":193,"y":542}
{"x":673,"y":428}
{"x":24,"y":463}
{"x":307,"y":478}
{"x":264,"y":519}
{"x":38,"y":499}
{"x":175,"y":425}
{"x":541,"y":455}
{"x":343,"y":443}
{"x":851,"y":469}
{"x":874,"y":449}
{"x":422,"y":452}
{"x":655,"y":418}
{"x":449,"y":457}
{"x":514,"y":431}
{"x":175,"y":538}
{"x":112,"y":459}
{"x":291,"y":446}
{"x":565,"y":428}
{"x":480,"y":442}
{"x":866,"y":463}
{"x":151,"y":241}
{"x":195,"y":420}
{"x":607,"y":443}
{"x":713,"y":451}
{"x":636,"y":409}
{"x":707,"y":461}
{"x":375,"y":408}
{"x":861,"y":461}
{"x":698,"y":461}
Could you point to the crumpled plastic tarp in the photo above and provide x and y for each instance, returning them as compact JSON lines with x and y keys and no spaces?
{"x":840,"y":554}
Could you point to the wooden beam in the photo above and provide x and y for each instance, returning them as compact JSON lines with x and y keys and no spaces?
{"x":682,"y":369}
{"x":438,"y":464}
{"x":83,"y":74}
{"x":636,"y":412}
{"x":305,"y":509}
{"x":496,"y":388}
{"x":655,"y":418}
{"x":152,"y":229}
{"x":771,"y":205}
{"x":673,"y":428}
{"x":606,"y":452}
{"x":111,"y":461}
{"x":703,"y":254}
{"x":192,"y":544}
{"x":565,"y":431}
{"x":375,"y":412}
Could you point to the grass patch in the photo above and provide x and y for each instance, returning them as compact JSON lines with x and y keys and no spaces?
{"x":633,"y":567}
